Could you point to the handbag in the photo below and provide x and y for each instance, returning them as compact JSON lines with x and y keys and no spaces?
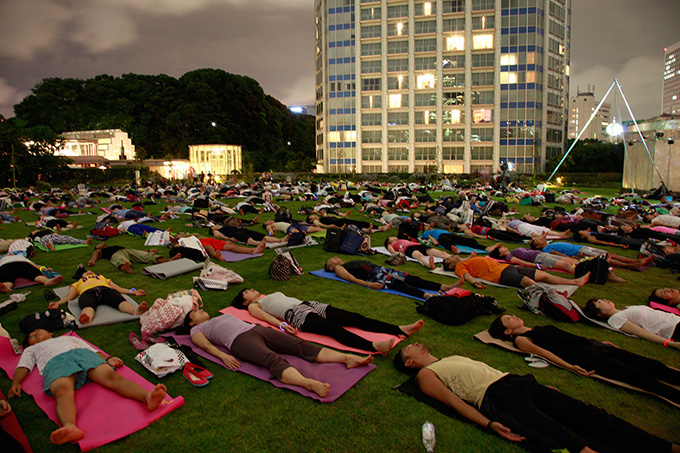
{"x":161,"y":359}
{"x":214,"y":277}
{"x":280,"y":268}
{"x":168,"y":313}
{"x":598,"y":266}
{"x":396,"y":260}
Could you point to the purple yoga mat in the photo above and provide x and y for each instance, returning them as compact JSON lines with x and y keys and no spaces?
{"x":231,"y":257}
{"x":337,"y":375}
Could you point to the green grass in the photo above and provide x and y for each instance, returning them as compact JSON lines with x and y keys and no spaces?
{"x":238,"y":413}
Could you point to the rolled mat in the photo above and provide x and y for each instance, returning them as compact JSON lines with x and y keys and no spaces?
{"x":99,"y":409}
{"x":172,"y":268}
{"x":337,"y":375}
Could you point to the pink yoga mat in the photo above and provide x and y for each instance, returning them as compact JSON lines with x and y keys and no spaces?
{"x":11,"y":426}
{"x":337,"y":375}
{"x":103,"y":415}
{"x":244,"y":315}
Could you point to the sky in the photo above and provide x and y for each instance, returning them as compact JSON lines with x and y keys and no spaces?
{"x":272,"y":41}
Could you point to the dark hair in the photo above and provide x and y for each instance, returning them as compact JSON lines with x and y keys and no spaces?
{"x":401,"y":366}
{"x":238,"y":300}
{"x":186,"y":326}
{"x":654,"y":298}
{"x":448,"y":267}
{"x":387,"y":242}
{"x":497,"y":330}
{"x":533,"y":245}
{"x":327,"y":266}
{"x":590,"y":310}
{"x":495,"y":253}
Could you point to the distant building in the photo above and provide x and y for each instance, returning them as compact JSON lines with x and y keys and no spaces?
{"x":670,"y":102}
{"x":86,"y":147}
{"x":217,"y":160}
{"x":454,"y":86}
{"x":661,"y":136}
{"x":580,"y":109}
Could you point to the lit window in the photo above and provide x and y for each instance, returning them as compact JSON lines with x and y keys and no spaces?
{"x":427,"y":9}
{"x":482,"y":116}
{"x":455,"y":42}
{"x":482,"y":41}
{"x":395,"y":100}
{"x":531,"y":76}
{"x":400,"y":28}
{"x":350,"y":136}
{"x":531,"y":57}
{"x":425,"y":81}
{"x":508,"y":59}
{"x":400,"y":82}
{"x":508,"y":77}
{"x":334,"y":136}
{"x":426,"y":117}
{"x":566,"y":70}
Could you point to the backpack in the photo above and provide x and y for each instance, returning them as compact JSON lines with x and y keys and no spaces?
{"x":201,"y":202}
{"x":353,"y":242}
{"x":544,"y":300}
{"x":333,"y":240}
{"x":598,"y":266}
{"x":455,"y":311}
{"x":50,"y":319}
{"x":283,"y":215}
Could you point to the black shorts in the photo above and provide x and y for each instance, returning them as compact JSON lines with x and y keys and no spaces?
{"x":101,"y":295}
{"x":512,"y":276}
{"x":413,"y":248}
{"x":19,"y":269}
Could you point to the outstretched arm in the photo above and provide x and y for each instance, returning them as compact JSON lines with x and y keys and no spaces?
{"x":431,"y":385}
{"x":256,"y":310}
{"x":19,"y":376}
{"x":634,"y":329}
{"x":95,"y":256}
{"x":202,"y":342}
{"x":526,"y":345}
{"x":343,"y":274}
{"x":72,"y":294}
{"x":131,"y":291}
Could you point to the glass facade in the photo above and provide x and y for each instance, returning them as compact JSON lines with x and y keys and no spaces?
{"x":451,"y":85}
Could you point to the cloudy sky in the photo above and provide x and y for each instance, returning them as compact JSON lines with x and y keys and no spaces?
{"x":272,"y":42}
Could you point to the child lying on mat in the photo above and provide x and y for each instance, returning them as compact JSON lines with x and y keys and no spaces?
{"x":262,"y":346}
{"x":13,"y":267}
{"x":291,"y":314}
{"x":93,"y":290}
{"x":66,"y":363}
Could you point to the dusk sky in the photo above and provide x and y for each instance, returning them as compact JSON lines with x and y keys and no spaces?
{"x":273,"y":42}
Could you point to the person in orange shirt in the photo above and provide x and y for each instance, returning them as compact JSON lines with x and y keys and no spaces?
{"x":474,"y":267}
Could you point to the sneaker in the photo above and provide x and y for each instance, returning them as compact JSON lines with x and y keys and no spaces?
{"x":80,"y":270}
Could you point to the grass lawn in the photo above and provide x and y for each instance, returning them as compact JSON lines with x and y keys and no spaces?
{"x":236,"y":412}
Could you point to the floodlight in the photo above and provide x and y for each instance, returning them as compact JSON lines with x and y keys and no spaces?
{"x":614,"y":129}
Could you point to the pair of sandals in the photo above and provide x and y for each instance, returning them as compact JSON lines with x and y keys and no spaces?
{"x":535,"y":361}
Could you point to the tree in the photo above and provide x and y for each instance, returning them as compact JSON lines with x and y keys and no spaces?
{"x":590,"y":156}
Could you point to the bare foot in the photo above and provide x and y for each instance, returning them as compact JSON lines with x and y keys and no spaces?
{"x":155,"y":397}
{"x":431,"y":262}
{"x":169,"y":229}
{"x":646,"y":261}
{"x":411,"y":328}
{"x":260,"y":248}
{"x":74,"y":226}
{"x":319,"y":388}
{"x":54,"y":281}
{"x":84,"y":318}
{"x":143,"y":307}
{"x":383,"y":347}
{"x":4,"y":288}
{"x":126,"y":267}
{"x":163,"y":217}
{"x":581,"y":281}
{"x":153,"y":251}
{"x":176,"y":257}
{"x":354,"y":361}
{"x":458,"y":284}
{"x":65,"y":434}
{"x":615,"y":278}
{"x":89,"y":240}
{"x":50,"y":246}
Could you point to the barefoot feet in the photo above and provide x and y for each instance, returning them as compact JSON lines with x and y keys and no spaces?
{"x":383,"y":347}
{"x":155,"y":397}
{"x":353,"y":361}
{"x":412,"y":328}
{"x":126,"y":267}
{"x":65,"y":434}
{"x":142,"y":308}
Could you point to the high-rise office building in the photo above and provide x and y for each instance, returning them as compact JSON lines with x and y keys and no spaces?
{"x":454,"y":86}
{"x":581,"y":108}
{"x":670,"y":102}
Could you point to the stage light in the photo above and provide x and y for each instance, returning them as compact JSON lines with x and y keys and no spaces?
{"x":614,"y":129}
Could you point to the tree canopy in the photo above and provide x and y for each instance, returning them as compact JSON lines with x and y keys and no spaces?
{"x":164,"y":115}
{"x":590,"y":156}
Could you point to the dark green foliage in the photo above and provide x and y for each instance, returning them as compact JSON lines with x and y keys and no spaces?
{"x":165,"y":115}
{"x":590,"y":156}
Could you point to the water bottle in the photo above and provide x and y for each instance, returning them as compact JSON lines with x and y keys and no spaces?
{"x":429,"y":440}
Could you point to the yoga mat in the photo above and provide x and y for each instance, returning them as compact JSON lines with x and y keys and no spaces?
{"x":104,"y":315}
{"x":276,"y":245}
{"x":60,"y":247}
{"x":11,"y":426}
{"x":331,"y":275}
{"x":231,"y":257}
{"x":662,"y":307}
{"x":569,"y":289}
{"x":486,"y":338}
{"x":336,"y":374}
{"x":172,"y":268}
{"x":103,"y":415}
{"x":384,"y":251}
{"x":23,"y":283}
{"x":244,"y":315}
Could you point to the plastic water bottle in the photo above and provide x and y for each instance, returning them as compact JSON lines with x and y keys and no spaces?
{"x":429,"y":440}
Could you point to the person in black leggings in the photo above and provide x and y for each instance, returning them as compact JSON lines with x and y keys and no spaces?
{"x":290,"y":314}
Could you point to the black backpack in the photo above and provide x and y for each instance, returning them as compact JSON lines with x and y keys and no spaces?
{"x":283,"y":215}
{"x":50,"y":319}
{"x":455,"y":311}
{"x":598,"y":267}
